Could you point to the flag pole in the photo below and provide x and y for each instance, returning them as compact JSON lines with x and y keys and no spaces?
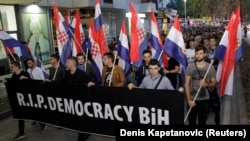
{"x":111,"y":75}
{"x":54,"y":77}
{"x":198,"y":91}
{"x":160,"y":55}
{"x":76,"y":40}
{"x":86,"y":59}
{"x":11,"y":54}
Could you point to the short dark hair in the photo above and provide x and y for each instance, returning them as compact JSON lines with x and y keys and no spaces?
{"x":200,"y":47}
{"x":114,"y":49}
{"x":16,"y":63}
{"x":114,"y":38}
{"x":30,"y":59}
{"x":80,"y":54}
{"x":205,"y":38}
{"x":147,"y":51}
{"x":110,"y":55}
{"x":213,"y":37}
{"x":163,"y":35}
{"x":73,"y":58}
{"x":154,"y":62}
{"x":55,"y":56}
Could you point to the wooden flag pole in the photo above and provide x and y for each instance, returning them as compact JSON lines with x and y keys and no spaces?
{"x":198,"y":91}
{"x":111,"y":75}
{"x":11,"y":54}
{"x":86,"y":59}
{"x":76,"y":41}
{"x":54,"y":77}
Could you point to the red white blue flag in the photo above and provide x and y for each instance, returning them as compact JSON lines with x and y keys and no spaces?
{"x":123,"y":50}
{"x":156,"y":42}
{"x":99,"y":28}
{"x":175,"y":47}
{"x":78,"y":34}
{"x":229,"y":52}
{"x":138,"y":38}
{"x":95,"y":51}
{"x":64,"y":42}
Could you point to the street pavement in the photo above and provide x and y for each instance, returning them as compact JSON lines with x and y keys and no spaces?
{"x":9,"y":128}
{"x":233,"y":112}
{"x":2,"y":90}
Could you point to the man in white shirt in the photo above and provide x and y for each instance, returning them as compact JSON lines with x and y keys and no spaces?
{"x":36,"y":73}
{"x":190,"y":53}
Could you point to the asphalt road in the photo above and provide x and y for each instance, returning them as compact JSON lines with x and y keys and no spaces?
{"x":9,"y":128}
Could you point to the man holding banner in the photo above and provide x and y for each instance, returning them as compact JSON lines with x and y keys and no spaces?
{"x":85,"y":65}
{"x":155,"y":80}
{"x":200,"y":76}
{"x":57,"y":71}
{"x":18,"y":74}
{"x":76,"y":76}
{"x":112,"y":75}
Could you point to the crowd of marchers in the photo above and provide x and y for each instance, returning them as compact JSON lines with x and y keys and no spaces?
{"x":201,"y":44}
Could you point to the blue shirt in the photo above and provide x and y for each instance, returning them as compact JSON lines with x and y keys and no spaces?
{"x":81,"y":67}
{"x":149,"y":83}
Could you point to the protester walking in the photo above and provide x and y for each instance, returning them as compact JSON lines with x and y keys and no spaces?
{"x":18,"y":75}
{"x":76,"y":76}
{"x":112,"y":75}
{"x":193,"y":80}
{"x":36,"y":73}
{"x":154,"y":80}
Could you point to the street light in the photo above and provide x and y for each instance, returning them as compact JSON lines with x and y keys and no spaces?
{"x":185,"y":9}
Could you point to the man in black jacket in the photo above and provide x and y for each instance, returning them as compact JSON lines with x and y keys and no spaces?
{"x":18,"y":75}
{"x":86,"y":66}
{"x":76,"y":76}
{"x":143,"y":70}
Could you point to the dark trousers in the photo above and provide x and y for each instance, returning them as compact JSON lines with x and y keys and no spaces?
{"x":42,"y":124}
{"x":21,"y":126}
{"x":198,"y":111}
{"x":217,"y":115}
{"x":82,"y":136}
{"x":214,"y":106}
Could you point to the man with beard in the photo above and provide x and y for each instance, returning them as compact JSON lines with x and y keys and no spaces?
{"x":85,"y":65}
{"x":74,"y":75}
{"x":193,"y":80}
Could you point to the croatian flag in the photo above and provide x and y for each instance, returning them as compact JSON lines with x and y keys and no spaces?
{"x":156,"y":42}
{"x":78,"y":34}
{"x":138,"y":38}
{"x":67,"y":17}
{"x":98,"y":21}
{"x":123,"y":50}
{"x":95,"y":51}
{"x":175,"y":47}
{"x":13,"y":46}
{"x":227,"y":55}
{"x":64,"y":42}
